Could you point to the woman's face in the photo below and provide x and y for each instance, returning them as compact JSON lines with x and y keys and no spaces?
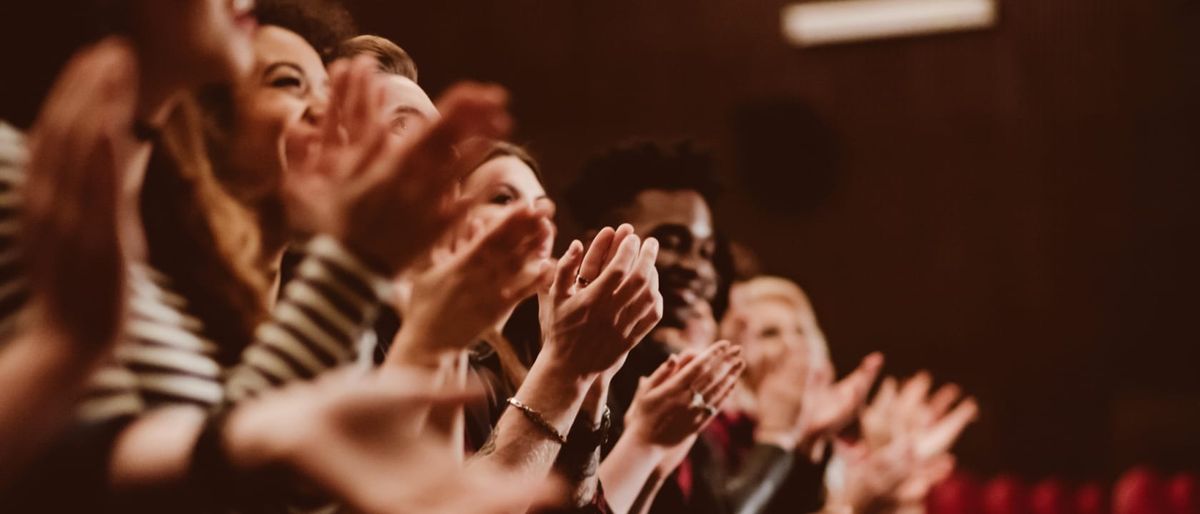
{"x":287,"y":89}
{"x":501,"y":182}
{"x":201,"y":41}
{"x":770,"y":329}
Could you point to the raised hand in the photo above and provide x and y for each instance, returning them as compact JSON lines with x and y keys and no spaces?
{"x":406,"y":186}
{"x":664,"y":420}
{"x":832,"y":406}
{"x":474,"y":280}
{"x":865,"y":480}
{"x":928,"y":424}
{"x":602,"y":303}
{"x":75,"y":222}
{"x":663,"y":412}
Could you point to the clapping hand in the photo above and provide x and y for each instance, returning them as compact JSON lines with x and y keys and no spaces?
{"x":476,"y":278}
{"x":602,"y":303}
{"x":76,"y":227}
{"x":388,"y":199}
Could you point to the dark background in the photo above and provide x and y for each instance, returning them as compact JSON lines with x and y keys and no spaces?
{"x":1011,"y":209}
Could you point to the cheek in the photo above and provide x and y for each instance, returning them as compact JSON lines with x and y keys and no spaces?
{"x":257,"y":147}
{"x":487,"y":214}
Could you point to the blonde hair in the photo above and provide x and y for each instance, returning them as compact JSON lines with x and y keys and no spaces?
{"x":781,"y":290}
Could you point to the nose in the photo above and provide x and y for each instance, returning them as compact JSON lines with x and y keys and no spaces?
{"x":318,"y":107}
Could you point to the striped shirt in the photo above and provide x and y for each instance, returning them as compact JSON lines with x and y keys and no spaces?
{"x":165,"y":357}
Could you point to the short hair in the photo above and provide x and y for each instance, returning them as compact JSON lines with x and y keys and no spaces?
{"x":391,"y":58}
{"x":613,"y":179}
{"x":324,"y":24}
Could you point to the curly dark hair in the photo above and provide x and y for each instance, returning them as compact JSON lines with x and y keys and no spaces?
{"x":613,"y":179}
{"x":323,"y":23}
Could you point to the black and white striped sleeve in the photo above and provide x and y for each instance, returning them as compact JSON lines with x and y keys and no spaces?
{"x":316,"y":324}
{"x":13,"y":287}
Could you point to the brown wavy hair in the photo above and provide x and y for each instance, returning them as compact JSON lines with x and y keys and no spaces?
{"x":199,"y":236}
{"x":517,"y":344}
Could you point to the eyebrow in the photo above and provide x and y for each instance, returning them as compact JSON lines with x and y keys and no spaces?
{"x":408,"y":109}
{"x":283,"y":64}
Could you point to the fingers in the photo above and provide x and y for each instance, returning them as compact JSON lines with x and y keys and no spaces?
{"x":623,"y":231}
{"x":593,"y":261}
{"x":617,"y":269}
{"x":688,"y":373}
{"x":664,"y":370}
{"x":339,"y":78}
{"x":640,"y":276}
{"x":727,"y":385}
{"x":727,"y":358}
{"x":945,"y":432}
{"x":861,"y":379}
{"x":941,"y":400}
{"x":728,"y":374}
{"x":568,"y":267}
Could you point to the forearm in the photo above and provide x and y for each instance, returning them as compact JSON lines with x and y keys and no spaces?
{"x":156,"y":449}
{"x":520,"y":446}
{"x":629,"y":472}
{"x":580,"y":465}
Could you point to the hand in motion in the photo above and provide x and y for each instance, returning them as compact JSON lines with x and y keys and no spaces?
{"x":930,"y":424}
{"x":75,"y":221}
{"x":602,"y":303}
{"x":353,"y":177}
{"x":349,"y":435}
{"x":475,"y":278}
{"x":862,"y":479}
{"x":832,"y":406}
{"x":664,"y":412}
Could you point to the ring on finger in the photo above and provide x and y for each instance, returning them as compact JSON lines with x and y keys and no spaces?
{"x":698,"y":401}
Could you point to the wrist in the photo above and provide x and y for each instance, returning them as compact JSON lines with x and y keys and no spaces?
{"x":774,"y":437}
{"x":555,"y":394}
{"x":409,"y":348}
{"x":251,"y":440}
{"x":595,"y":402}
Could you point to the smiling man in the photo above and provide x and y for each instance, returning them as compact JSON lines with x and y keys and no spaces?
{"x":665,"y":193}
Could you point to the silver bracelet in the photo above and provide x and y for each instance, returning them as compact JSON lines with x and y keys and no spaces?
{"x":537,"y":419}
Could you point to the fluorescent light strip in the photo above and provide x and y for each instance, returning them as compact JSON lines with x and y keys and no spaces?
{"x":844,"y":21}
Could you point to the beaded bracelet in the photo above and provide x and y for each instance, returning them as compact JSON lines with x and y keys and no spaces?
{"x":537,"y":419}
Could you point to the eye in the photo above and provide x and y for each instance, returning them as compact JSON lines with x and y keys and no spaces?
{"x":708,"y":250}
{"x":287,"y":82}
{"x":670,"y":241}
{"x":769,"y":332}
{"x":502,"y":198}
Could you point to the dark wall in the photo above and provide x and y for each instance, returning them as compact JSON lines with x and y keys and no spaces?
{"x":1011,"y":209}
